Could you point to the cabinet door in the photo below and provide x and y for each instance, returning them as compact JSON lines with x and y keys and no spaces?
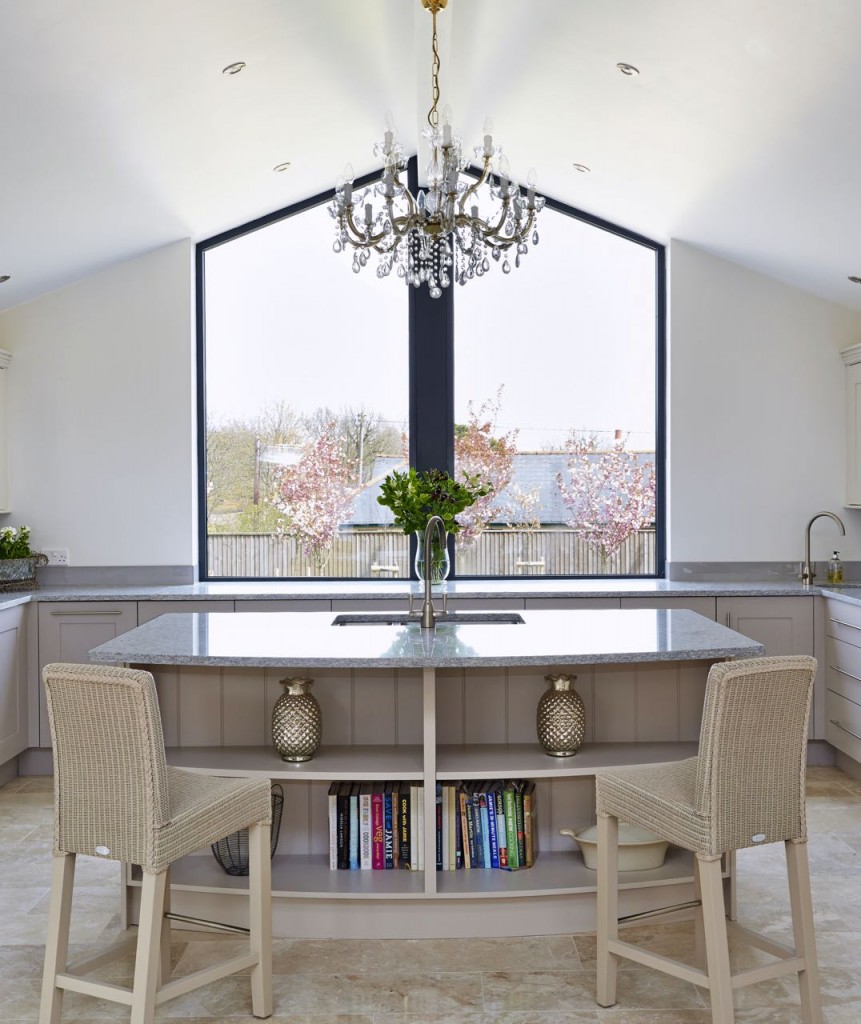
{"x":703,"y":605}
{"x":69,"y":629}
{"x":13,"y":683}
{"x":853,"y":435}
{"x":784,"y":625}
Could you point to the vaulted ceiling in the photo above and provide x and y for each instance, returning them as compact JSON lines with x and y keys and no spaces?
{"x":119,"y":132}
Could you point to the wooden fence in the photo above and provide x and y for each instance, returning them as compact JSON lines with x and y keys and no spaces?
{"x":374,"y":552}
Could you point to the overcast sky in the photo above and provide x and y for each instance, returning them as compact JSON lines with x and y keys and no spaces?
{"x":570,"y":334}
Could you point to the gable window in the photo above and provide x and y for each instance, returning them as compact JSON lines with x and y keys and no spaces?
{"x":315,"y":383}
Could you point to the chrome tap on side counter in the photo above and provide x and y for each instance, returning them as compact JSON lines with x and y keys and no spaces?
{"x":808,"y":568}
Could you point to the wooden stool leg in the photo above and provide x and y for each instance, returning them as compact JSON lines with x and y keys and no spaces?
{"x":800,"y":901}
{"x":608,"y":906}
{"x":164,"y":943}
{"x":260,"y":915}
{"x":147,"y":956}
{"x":57,"y":941}
{"x":699,"y":929}
{"x":717,"y":948}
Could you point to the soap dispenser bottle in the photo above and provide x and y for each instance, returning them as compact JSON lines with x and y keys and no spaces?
{"x":835,"y":569}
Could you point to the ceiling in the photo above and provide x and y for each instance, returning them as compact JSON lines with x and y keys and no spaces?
{"x":120,"y":133}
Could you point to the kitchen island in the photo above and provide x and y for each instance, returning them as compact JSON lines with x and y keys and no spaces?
{"x":404,"y":704}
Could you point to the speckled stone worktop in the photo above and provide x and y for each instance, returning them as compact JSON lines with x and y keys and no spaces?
{"x":399,"y":590}
{"x":310,"y":640}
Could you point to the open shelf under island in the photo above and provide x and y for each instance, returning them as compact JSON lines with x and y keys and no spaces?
{"x":399,"y":703}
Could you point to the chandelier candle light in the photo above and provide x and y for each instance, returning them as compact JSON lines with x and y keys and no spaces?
{"x":439,"y":234}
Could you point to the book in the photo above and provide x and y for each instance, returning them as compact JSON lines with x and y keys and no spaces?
{"x":378,"y":860}
{"x":451,"y":810}
{"x":439,"y":826}
{"x":420,"y":827}
{"x":475,"y":806}
{"x":458,"y":837}
{"x":490,"y":796}
{"x":501,"y":838}
{"x":389,"y":804}
{"x":404,"y":812}
{"x":365,"y":791}
{"x":530,"y":828}
{"x":485,"y":828}
{"x":343,"y":826}
{"x":510,"y":827}
{"x":446,"y":828}
{"x":333,"y":826}
{"x":518,"y":812}
{"x":415,"y":835}
{"x":353,"y":852}
{"x":465,"y":832}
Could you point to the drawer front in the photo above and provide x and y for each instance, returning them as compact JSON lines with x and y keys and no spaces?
{"x":843,"y":621}
{"x":843,"y":724}
{"x":843,"y":668}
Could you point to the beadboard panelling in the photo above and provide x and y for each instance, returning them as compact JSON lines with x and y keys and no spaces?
{"x":374,"y":706}
{"x":657,"y":703}
{"x":246,"y":721}
{"x":484,"y":703}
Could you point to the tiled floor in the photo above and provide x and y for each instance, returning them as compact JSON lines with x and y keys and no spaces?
{"x":501,"y":981}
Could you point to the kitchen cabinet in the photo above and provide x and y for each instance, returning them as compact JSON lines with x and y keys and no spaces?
{"x":13,"y":682}
{"x":784,"y":625}
{"x":5,"y":504}
{"x":67,"y":632}
{"x":843,"y":677}
{"x":852,"y":359}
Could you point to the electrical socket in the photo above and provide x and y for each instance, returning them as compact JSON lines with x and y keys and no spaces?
{"x":57,"y":556}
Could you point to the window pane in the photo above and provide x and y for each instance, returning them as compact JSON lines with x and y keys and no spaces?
{"x":555,"y":402}
{"x":306,"y":406}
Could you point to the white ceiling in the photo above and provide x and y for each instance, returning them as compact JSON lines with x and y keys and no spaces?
{"x":119,"y":132}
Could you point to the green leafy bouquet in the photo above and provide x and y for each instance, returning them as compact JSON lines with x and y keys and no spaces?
{"x":414,"y":497}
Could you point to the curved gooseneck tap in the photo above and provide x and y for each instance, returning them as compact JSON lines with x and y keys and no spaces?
{"x":435,"y":524}
{"x":808,"y":568}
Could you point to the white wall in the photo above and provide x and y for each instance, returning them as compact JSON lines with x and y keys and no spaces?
{"x":101,"y":414}
{"x":756,"y":423}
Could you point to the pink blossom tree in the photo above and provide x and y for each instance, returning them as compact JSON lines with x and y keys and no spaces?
{"x":611,"y":494}
{"x":480,"y":454}
{"x":315,"y":496}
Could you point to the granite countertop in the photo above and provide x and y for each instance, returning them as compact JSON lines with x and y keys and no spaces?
{"x":399,"y":590}
{"x":607,"y":636}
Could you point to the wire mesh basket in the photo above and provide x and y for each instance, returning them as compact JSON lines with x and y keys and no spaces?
{"x":20,"y":573}
{"x":232,"y":851}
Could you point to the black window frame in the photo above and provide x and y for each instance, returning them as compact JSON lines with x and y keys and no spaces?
{"x":431,"y":380}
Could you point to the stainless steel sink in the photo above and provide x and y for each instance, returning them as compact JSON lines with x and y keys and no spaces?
{"x":403,"y":618}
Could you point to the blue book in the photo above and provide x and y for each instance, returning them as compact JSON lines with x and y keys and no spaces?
{"x":491,"y":828}
{"x":485,"y":829}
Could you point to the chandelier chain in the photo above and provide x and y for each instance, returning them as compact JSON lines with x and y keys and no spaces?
{"x":452,"y":228}
{"x":433,"y":113}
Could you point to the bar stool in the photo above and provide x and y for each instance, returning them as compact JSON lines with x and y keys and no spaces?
{"x":745,"y":788}
{"x":115,"y":798}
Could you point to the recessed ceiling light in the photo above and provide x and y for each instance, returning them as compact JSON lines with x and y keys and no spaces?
{"x":582,"y":168}
{"x":4,"y":278}
{"x":234,"y":69}
{"x":282,"y":167}
{"x":628,"y":69}
{"x":854,"y":280}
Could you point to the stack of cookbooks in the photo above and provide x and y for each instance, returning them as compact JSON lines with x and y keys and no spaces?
{"x":379,"y":826}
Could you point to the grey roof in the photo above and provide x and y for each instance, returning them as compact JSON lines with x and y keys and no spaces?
{"x":530,"y":470}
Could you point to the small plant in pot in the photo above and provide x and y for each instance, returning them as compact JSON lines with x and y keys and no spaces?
{"x":414,"y":498}
{"x":18,"y":562}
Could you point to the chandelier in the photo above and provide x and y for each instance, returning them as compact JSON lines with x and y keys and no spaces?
{"x":439,"y":235}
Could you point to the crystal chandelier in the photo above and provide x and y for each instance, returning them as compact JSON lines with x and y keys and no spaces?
{"x":438,"y":235}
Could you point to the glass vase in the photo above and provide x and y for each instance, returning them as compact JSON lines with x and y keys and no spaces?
{"x":439,"y":560}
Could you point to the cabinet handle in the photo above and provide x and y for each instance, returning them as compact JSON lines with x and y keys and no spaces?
{"x":840,"y":622}
{"x":109,"y":611}
{"x":843,"y":672}
{"x":843,"y":727}
{"x":727,"y":623}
